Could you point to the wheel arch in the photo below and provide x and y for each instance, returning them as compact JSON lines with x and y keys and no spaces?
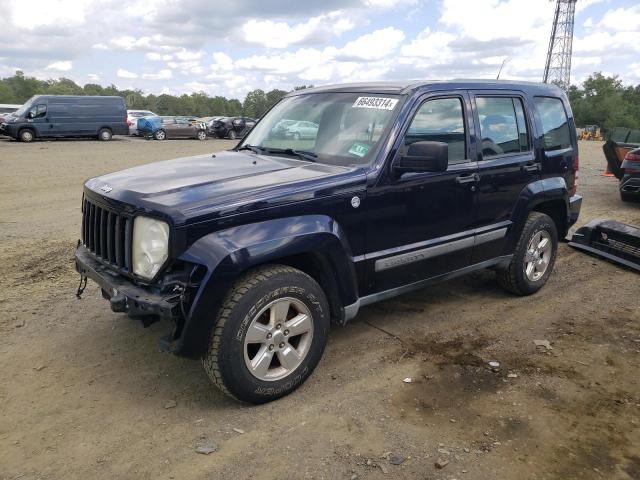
{"x":549,"y":196}
{"x":313,"y":244}
{"x":27,"y":127}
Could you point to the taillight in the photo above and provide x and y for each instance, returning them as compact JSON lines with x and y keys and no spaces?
{"x":631,"y":163}
{"x":576,"y":168}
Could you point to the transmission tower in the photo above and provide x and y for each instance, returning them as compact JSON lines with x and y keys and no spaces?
{"x":558,"y":67}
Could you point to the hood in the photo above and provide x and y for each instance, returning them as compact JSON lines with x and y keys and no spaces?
{"x":224,"y":183}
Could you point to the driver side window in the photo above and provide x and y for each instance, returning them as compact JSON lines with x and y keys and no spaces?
{"x":39,"y":111}
{"x":440,"y":120}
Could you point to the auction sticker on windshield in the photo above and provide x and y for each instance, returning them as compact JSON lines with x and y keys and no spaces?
{"x":379,"y":103}
{"x":359,"y":149}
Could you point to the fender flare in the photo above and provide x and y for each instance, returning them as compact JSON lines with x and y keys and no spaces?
{"x":532,"y":195}
{"x":226,"y":254}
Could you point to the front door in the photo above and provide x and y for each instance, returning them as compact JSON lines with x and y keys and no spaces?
{"x":420,"y":225}
{"x":507,"y":164}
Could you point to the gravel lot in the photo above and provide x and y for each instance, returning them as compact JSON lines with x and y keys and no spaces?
{"x":85,"y":393}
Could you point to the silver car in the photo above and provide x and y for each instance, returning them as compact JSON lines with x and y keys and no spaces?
{"x":133,"y":116}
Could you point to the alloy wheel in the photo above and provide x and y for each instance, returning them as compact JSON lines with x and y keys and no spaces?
{"x":278,"y":339}
{"x":538,"y":255}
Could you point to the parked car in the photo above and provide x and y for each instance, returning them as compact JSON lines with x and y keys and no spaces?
{"x":301,"y":129}
{"x":45,"y":116}
{"x":630,"y":181}
{"x":232,"y":127}
{"x":6,"y":109}
{"x":179,"y":127}
{"x":133,"y":116}
{"x":252,"y":252}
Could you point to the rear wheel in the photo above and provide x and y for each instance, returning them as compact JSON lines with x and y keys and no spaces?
{"x":105,"y":135}
{"x":160,"y":135}
{"x":629,"y":197}
{"x":26,"y":135}
{"x":296,"y":136}
{"x":534,"y":256}
{"x":269,"y":336}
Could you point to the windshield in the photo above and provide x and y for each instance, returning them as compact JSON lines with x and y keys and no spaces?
{"x":23,"y":109}
{"x":335,"y":128}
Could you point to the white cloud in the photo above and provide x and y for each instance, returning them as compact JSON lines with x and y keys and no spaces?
{"x":52,"y":12}
{"x":61,"y":66}
{"x":94,"y":77}
{"x":274,"y":34}
{"x":164,"y":74}
{"x":154,"y":56}
{"x":122,"y":73}
{"x":374,"y":45}
{"x":622,"y":20}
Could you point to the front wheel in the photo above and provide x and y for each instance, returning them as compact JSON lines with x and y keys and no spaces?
{"x":534,"y":256}
{"x":201,"y":135}
{"x":232,"y":134}
{"x":269,"y":335}
{"x":26,"y":135}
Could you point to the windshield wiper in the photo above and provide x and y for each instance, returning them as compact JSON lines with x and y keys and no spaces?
{"x":302,"y":154}
{"x":253,"y":148}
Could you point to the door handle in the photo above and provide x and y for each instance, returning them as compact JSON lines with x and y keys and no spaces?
{"x":467,"y":178}
{"x":531,"y":167}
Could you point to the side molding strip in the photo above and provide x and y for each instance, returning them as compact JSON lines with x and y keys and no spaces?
{"x":422,"y":254}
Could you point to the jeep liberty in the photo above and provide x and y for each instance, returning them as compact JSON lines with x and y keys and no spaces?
{"x":250,"y":254}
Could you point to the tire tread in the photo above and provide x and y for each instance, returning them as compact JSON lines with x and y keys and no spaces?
{"x":236,"y":292}
{"x":507,"y":277}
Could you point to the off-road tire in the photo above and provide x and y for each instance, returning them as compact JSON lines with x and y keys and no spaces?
{"x":104,"y":135}
{"x":26,"y":135}
{"x":224,"y":359}
{"x":513,"y":278}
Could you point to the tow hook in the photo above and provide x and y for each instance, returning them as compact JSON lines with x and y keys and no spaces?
{"x":118,"y":303}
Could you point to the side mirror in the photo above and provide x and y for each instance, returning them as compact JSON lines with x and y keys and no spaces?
{"x":424,"y":157}
{"x":31,"y":114}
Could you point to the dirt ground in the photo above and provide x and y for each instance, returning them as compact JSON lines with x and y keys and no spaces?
{"x":86,"y":393}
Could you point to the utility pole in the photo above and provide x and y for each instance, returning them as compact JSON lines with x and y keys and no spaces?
{"x":558,"y":67}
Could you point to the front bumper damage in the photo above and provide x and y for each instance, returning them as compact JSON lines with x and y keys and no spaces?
{"x":612,"y":240}
{"x":125,"y":296}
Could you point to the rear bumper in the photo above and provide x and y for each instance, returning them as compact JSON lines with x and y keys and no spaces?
{"x":575,"y":203}
{"x":630,"y":184}
{"x":123,"y":295}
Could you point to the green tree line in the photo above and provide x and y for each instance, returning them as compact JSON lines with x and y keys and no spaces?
{"x":606,"y":102}
{"x":19,"y":88}
{"x":600,"y":100}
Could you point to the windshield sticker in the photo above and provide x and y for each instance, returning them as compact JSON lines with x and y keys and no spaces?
{"x":359,"y":149}
{"x":379,"y":103}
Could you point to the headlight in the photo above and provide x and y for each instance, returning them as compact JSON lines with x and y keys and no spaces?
{"x":150,"y":246}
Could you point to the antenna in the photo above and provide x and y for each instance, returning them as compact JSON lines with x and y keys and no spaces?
{"x":558,"y":67}
{"x":501,"y":67}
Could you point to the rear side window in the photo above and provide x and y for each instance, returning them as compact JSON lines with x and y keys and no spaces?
{"x":502,"y":125}
{"x":440,"y":120}
{"x":555,"y":125}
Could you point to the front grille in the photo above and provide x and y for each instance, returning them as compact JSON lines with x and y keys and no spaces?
{"x":107,"y":235}
{"x":619,"y":246}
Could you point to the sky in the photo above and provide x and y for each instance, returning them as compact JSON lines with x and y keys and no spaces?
{"x":230,"y":48}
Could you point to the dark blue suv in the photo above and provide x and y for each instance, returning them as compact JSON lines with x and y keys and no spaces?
{"x":251,"y":253}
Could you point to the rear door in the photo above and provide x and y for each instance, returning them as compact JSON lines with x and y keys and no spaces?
{"x":558,"y":146}
{"x":170,"y":128}
{"x":507,"y":163}
{"x":184,"y":129}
